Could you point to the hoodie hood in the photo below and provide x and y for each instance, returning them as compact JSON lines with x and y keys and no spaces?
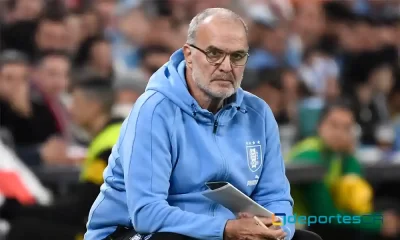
{"x":170,"y":80}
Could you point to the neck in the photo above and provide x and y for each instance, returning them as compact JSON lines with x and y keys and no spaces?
{"x":98,"y":124}
{"x":205,"y":101}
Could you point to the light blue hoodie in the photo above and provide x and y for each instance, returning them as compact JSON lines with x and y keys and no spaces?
{"x":169,"y":147}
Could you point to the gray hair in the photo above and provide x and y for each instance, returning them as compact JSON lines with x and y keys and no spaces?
{"x":202,"y":16}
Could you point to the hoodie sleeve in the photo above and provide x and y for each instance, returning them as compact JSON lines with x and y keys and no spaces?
{"x":273,"y":189}
{"x":146,"y":155}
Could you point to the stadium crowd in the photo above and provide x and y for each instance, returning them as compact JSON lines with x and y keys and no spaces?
{"x":69,"y":68}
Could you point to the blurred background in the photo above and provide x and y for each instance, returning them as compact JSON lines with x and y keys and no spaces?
{"x":304,"y":54}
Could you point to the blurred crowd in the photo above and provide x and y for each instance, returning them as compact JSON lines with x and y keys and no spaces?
{"x":303,"y":55}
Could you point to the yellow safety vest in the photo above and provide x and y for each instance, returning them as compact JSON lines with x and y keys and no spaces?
{"x":93,"y":167}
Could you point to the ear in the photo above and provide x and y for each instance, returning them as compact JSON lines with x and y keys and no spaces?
{"x":188,"y":55}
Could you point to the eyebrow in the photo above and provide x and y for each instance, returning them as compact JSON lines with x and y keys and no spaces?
{"x":217,"y":48}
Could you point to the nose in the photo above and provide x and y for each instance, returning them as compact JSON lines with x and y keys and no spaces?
{"x":226,"y":65}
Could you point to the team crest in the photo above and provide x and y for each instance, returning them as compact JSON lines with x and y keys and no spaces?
{"x":254,"y":155}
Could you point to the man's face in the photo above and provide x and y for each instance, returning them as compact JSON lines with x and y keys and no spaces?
{"x":310,"y":22}
{"x":106,"y":8}
{"x":101,"y":55}
{"x":215,"y":36}
{"x":52,"y":36}
{"x":154,"y":61}
{"x":12,"y":77}
{"x":336,"y":130}
{"x":382,"y":79}
{"x":54,"y":75}
{"x":274,"y":39}
{"x":82,"y":109}
{"x":270,"y":95}
{"x":28,"y":9}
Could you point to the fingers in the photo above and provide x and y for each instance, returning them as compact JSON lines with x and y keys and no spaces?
{"x":245,"y":215}
{"x":267,"y":221}
{"x":276,"y":234}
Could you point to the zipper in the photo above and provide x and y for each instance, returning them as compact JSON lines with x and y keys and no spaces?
{"x":215,"y":126}
{"x":224,"y":164}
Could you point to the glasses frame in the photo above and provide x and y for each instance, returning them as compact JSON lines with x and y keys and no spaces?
{"x":223,"y":59}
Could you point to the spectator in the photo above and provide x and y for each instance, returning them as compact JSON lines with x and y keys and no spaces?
{"x":25,"y":10}
{"x":92,"y":101}
{"x":51,"y":79}
{"x":270,"y":88}
{"x":320,"y":73}
{"x":371,"y":79}
{"x":128,"y":89}
{"x":270,"y":46}
{"x":153,"y":57}
{"x":343,"y":192}
{"x":309,"y":22}
{"x":29,"y":121}
{"x":96,"y":55}
{"x":18,"y":33}
{"x":51,"y":34}
{"x":366,"y":113}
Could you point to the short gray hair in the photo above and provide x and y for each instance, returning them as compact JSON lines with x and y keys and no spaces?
{"x":202,"y":16}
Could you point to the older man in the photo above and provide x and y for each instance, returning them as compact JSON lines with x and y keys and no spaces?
{"x":194,"y":124}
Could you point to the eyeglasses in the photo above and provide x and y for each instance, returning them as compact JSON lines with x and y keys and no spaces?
{"x":216,"y":56}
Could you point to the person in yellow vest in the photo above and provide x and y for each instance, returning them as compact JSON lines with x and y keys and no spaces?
{"x":91,"y":106}
{"x":343,"y":196}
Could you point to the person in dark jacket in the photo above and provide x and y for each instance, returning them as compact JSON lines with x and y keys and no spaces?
{"x":92,"y":102}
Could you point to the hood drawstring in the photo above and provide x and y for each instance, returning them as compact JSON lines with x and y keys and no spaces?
{"x":194,"y":110}
{"x":242,"y":110}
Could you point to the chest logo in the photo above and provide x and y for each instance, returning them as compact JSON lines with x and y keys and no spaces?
{"x":254,"y":155}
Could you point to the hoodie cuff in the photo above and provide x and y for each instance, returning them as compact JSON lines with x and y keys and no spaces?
{"x":220,"y":224}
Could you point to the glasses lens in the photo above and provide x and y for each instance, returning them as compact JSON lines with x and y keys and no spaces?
{"x":239,"y":60}
{"x":215,"y":56}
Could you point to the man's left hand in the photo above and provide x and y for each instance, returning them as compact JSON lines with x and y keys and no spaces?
{"x":267,"y":221}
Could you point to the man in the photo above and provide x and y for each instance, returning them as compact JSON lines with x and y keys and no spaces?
{"x":194,"y":124}
{"x":269,"y":87}
{"x":21,"y":114}
{"x":51,"y":33}
{"x":44,"y":117}
{"x":343,"y":191}
{"x":92,"y":103}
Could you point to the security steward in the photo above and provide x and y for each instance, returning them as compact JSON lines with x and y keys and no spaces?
{"x":92,"y":101}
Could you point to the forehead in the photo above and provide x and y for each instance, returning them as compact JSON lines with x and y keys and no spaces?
{"x":225,"y":33}
{"x":51,"y":26}
{"x":51,"y":61}
{"x":13,"y":67}
{"x":342,"y":115}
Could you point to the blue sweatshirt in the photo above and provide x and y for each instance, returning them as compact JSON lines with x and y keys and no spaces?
{"x":169,"y":147}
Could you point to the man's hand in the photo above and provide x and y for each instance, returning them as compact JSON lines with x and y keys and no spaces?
{"x":246,"y":228}
{"x":20,"y":100}
{"x":54,"y":151}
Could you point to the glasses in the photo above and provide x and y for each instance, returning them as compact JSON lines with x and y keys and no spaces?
{"x":216,"y":56}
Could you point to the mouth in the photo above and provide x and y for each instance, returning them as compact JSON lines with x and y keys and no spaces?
{"x":222,"y":80}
